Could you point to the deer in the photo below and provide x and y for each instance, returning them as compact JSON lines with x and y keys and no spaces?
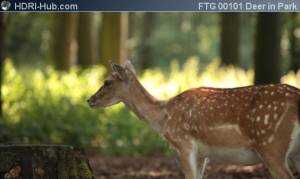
{"x":243,"y":126}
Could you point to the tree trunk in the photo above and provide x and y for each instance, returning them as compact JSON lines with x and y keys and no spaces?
{"x":2,"y":56}
{"x":294,"y":44}
{"x":131,"y":24}
{"x":43,"y":161}
{"x":230,"y":38}
{"x":267,"y":65}
{"x":131,"y":34}
{"x":87,"y":40}
{"x":145,"y":55}
{"x":113,"y":38}
{"x":63,"y":40}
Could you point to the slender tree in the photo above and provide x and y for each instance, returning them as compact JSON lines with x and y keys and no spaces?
{"x":113,"y":38}
{"x":131,"y":24}
{"x":145,"y":54}
{"x":63,"y":40}
{"x":2,"y":56}
{"x":87,"y":39}
{"x":230,"y":38}
{"x":132,"y":16}
{"x":294,"y":44}
{"x":267,"y":65}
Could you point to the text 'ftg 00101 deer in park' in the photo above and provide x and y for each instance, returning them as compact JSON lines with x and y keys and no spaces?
{"x":246,"y":125}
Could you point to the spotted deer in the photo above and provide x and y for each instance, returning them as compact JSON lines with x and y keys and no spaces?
{"x":245,"y":125}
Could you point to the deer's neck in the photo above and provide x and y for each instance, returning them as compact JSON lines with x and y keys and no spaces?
{"x":145,"y":106}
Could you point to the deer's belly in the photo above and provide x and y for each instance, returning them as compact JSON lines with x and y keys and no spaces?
{"x":294,"y":147}
{"x":239,"y":156}
{"x":225,"y":135}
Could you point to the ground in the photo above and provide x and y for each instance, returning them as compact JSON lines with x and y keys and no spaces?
{"x":105,"y":167}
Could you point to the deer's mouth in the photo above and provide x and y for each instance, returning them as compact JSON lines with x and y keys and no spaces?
{"x":97,"y":104}
{"x":100,"y":103}
{"x":93,"y":104}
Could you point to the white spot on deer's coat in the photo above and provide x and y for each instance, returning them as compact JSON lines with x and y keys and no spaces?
{"x":260,"y":106}
{"x":271,"y":139}
{"x":190,"y":113}
{"x":186,"y":126}
{"x":269,"y":106}
{"x":257,"y":119}
{"x":266,"y":121}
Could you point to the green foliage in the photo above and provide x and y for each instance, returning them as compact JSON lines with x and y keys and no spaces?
{"x":177,"y":36}
{"x":50,"y":107}
{"x":27,"y":32}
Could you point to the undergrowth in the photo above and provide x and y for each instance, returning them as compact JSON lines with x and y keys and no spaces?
{"x":46,"y":106}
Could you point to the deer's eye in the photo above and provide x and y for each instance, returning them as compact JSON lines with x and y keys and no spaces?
{"x":107,"y":82}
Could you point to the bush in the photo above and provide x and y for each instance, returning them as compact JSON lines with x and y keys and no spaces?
{"x":50,"y":107}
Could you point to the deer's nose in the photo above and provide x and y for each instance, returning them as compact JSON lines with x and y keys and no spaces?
{"x":88,"y":100}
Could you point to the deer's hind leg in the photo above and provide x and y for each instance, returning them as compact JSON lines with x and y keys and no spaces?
{"x":275,"y":155}
{"x":294,"y":154}
{"x":274,"y":146}
{"x":277,"y":165}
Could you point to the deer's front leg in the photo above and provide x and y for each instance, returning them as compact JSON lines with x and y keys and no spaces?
{"x":187,"y":165}
{"x":193,"y":166}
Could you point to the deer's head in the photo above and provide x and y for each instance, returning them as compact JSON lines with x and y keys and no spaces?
{"x":115,"y":87}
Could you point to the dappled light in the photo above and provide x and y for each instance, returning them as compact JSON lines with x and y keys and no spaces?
{"x":54,"y":65}
{"x":55,"y":102}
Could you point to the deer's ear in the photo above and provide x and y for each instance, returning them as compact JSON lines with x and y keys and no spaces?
{"x":129,"y":66}
{"x":121,"y":72}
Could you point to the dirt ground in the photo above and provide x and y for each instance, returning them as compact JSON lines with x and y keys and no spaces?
{"x":166,"y":167}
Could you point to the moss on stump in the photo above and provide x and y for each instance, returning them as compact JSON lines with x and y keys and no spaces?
{"x":43,"y":161}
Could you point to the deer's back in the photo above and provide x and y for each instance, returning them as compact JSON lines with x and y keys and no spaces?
{"x":230,"y":117}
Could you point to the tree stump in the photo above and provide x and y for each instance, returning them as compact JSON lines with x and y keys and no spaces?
{"x":43,"y":161}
